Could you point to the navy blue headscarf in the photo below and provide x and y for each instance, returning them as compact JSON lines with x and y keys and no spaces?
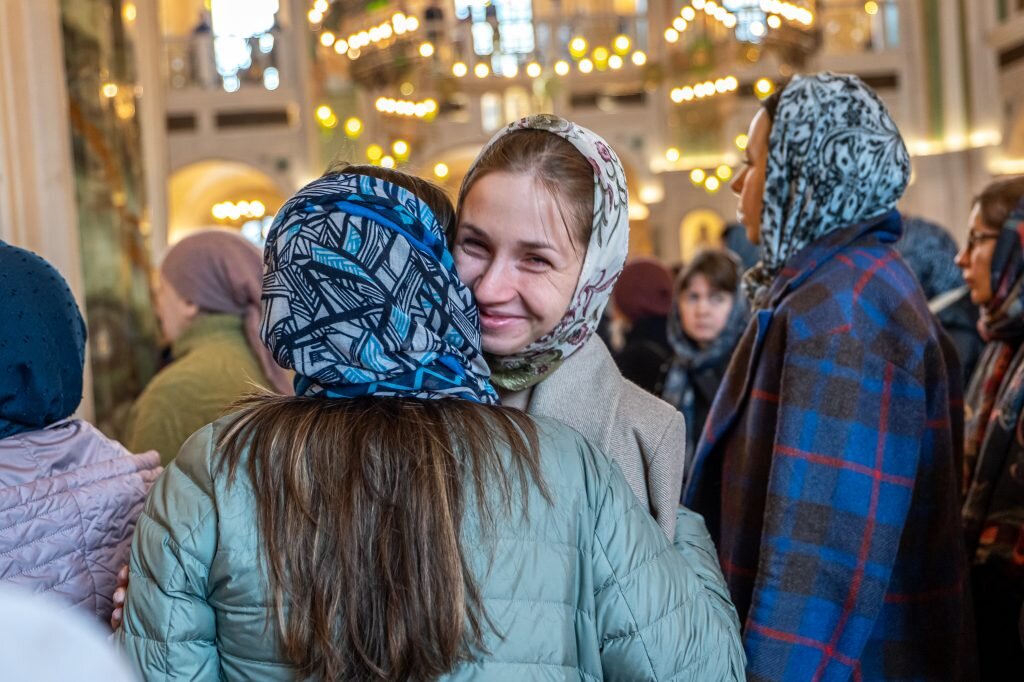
{"x":361,"y":297}
{"x":42,"y":344}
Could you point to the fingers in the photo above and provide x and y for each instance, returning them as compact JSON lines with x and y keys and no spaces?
{"x":115,"y":619}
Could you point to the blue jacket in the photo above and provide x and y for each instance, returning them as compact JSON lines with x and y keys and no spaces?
{"x":828,"y":472}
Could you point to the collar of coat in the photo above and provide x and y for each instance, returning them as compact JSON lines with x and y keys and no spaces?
{"x":886,"y":228}
{"x":583,"y":393}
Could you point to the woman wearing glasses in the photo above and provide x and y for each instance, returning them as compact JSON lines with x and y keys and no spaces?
{"x":993,"y":267}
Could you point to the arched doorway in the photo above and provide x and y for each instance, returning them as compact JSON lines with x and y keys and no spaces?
{"x":221,"y":194}
{"x":700,"y":229}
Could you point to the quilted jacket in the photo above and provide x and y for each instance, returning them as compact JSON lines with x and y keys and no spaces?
{"x":586,"y":588}
{"x":69,"y":498}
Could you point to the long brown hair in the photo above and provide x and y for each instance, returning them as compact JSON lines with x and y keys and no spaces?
{"x":360,"y":507}
{"x":559,"y":167}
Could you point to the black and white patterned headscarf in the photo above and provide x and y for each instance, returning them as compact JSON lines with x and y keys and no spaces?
{"x":835,"y":159}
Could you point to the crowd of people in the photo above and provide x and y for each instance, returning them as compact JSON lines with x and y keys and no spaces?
{"x":397,"y":444}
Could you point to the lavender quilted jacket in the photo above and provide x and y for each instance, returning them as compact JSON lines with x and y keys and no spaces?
{"x":69,"y":499}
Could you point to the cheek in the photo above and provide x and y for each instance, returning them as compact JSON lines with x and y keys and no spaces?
{"x":469,"y":268}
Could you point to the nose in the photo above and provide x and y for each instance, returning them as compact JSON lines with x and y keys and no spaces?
{"x":963,"y":258}
{"x":495,"y":285}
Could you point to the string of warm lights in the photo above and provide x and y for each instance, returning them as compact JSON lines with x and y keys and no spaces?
{"x":379,"y":36}
{"x":704,"y":89}
{"x":400,"y":151}
{"x":404,"y":107}
{"x":688,"y":14}
{"x":601,"y":61}
{"x":711,"y":180}
{"x":788,"y":11}
{"x":600,"y":58}
{"x":230,"y":211}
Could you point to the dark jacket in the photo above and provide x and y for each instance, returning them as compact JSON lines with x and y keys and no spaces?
{"x":829,"y":473}
{"x":705,"y":381}
{"x":643,"y":357}
{"x":959,"y":317}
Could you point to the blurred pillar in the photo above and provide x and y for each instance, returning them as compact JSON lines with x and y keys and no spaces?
{"x":151,"y":67}
{"x":37,"y":183}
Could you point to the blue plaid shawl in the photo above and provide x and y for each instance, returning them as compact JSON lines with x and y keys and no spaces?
{"x":828,"y":472}
{"x":361,"y":297}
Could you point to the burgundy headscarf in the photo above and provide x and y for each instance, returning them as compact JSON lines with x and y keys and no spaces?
{"x":644,"y":290}
{"x":221,"y":272}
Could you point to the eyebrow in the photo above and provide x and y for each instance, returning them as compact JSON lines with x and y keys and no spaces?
{"x":528,"y":245}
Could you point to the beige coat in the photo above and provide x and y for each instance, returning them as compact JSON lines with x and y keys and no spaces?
{"x":644,"y":434}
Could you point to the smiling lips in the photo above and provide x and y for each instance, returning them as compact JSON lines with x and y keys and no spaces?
{"x":496,"y":322}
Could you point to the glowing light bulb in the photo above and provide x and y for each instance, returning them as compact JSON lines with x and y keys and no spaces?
{"x":441,"y":170}
{"x":400,"y":148}
{"x":672,"y":155}
{"x":323,"y":112}
{"x":871,"y":7}
{"x":697,"y":176}
{"x":712,"y":184}
{"x":671,"y":35}
{"x":533,"y":70}
{"x":459,"y":69}
{"x":639,"y":58}
{"x":481,"y":70}
{"x":741,"y":141}
{"x":426,"y":50}
{"x":353,"y":127}
{"x":586,"y":66}
{"x":578,"y":47}
{"x":724,"y":172}
{"x":621,"y":44}
{"x":615,"y":62}
{"x":562,"y":68}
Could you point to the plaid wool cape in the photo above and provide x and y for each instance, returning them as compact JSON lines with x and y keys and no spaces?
{"x":828,"y":472}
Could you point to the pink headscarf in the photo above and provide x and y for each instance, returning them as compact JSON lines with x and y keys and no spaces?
{"x":221,"y":272}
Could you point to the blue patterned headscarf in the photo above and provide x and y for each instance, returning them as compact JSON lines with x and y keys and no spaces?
{"x":361,"y":297}
{"x":835,"y":159}
{"x":42,"y":344}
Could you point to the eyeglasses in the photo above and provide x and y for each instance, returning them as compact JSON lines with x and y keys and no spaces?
{"x":975,"y":238}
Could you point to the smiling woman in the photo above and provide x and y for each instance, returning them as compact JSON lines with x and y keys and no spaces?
{"x":542,"y":237}
{"x":522,"y":264}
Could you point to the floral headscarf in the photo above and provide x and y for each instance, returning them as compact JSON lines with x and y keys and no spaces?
{"x":361,"y":296}
{"x":835,"y":158}
{"x":605,"y":257}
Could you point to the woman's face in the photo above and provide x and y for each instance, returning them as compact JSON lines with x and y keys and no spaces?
{"x":704,"y":311}
{"x":749,"y":182}
{"x":975,"y":259}
{"x":173,"y":311}
{"x":514,"y":252}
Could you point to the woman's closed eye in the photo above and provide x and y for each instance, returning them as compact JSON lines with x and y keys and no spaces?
{"x":535,"y":262}
{"x":473,"y":247}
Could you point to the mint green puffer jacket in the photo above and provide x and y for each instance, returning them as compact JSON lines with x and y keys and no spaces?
{"x":586,"y":588}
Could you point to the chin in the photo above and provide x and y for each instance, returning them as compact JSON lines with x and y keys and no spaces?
{"x":501,"y":346}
